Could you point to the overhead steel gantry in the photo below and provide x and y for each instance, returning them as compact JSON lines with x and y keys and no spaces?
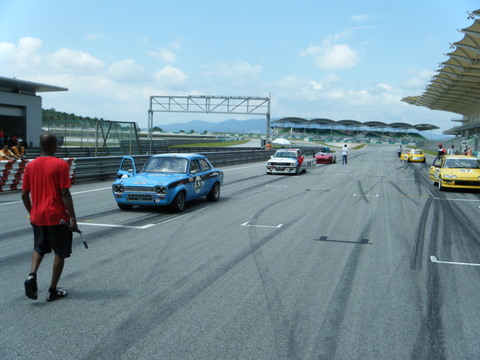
{"x":205,"y":104}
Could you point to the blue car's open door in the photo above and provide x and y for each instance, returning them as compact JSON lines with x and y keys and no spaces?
{"x":127,"y":167}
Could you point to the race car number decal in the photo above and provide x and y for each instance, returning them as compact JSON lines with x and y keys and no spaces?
{"x":198,"y":184}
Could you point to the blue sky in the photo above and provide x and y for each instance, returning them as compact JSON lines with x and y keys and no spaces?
{"x":334,"y":59}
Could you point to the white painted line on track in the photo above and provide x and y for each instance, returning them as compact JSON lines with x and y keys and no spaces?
{"x":73,"y":193}
{"x":87,"y":191}
{"x":366,"y":195}
{"x":277,"y":186}
{"x":117,"y":226}
{"x":11,"y":203}
{"x":244,"y":167}
{"x":263,"y":226}
{"x":434,"y":259}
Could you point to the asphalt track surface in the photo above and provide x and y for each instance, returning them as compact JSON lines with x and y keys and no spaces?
{"x":360,"y":261}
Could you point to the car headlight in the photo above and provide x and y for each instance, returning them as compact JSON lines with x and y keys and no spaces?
{"x":160,"y":190}
{"x":449,"y":176}
{"x":118,"y":188}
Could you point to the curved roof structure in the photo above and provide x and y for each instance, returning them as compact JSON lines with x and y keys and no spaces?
{"x":400,"y":125}
{"x":26,"y":87}
{"x":323,"y":121}
{"x":295,"y":120}
{"x":349,"y":122}
{"x":456,"y":87}
{"x":376,"y":124}
{"x":423,"y":127}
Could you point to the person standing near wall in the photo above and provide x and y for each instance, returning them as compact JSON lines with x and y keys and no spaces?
{"x":344,"y":154}
{"x":46,"y":196}
{"x":452,"y":151}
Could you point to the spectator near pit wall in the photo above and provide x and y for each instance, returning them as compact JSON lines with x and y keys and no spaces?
{"x":19,"y":149}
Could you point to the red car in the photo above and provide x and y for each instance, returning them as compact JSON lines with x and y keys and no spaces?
{"x":325,"y":158}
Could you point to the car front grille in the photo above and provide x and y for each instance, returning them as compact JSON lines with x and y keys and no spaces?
{"x":139,"y":197}
{"x":139,"y":189}
{"x":467,"y":183}
{"x":280,"y":164}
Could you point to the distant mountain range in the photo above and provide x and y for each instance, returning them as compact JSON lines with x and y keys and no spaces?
{"x":250,"y":126}
{"x":255,"y":126}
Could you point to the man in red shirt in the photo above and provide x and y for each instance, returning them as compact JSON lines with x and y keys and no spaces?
{"x":46,"y":196}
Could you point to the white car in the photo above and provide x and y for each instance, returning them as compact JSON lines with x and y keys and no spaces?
{"x":288,"y":161}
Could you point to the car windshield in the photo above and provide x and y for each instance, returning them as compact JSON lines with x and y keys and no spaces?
{"x":286,"y":154}
{"x":166,"y":165}
{"x":462,"y":163}
{"x":416,"y":152}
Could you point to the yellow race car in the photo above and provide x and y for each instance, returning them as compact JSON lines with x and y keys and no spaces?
{"x":455,"y":171}
{"x":414,"y":155}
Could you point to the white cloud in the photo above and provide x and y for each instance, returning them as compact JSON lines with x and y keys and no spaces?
{"x":339,"y":56}
{"x":331,"y":55}
{"x":241,"y":73}
{"x":170,"y":77}
{"x":127,"y":71}
{"x":74,"y":61}
{"x":22,"y":58}
{"x":163,"y":54}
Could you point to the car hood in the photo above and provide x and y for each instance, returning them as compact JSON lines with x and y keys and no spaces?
{"x":153,"y":179}
{"x":462,"y":173}
{"x":282,"y":159}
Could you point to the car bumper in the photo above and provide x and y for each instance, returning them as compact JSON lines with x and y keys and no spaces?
{"x":142,"y":199}
{"x":281,"y":169}
{"x":461,"y":184}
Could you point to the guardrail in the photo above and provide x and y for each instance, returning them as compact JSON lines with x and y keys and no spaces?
{"x":105,"y":168}
{"x":84,"y":169}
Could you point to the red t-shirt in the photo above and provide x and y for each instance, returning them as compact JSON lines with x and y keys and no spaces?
{"x":44,"y":177}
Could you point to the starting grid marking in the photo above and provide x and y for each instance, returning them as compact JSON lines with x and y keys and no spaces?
{"x":434,"y":260}
{"x":437,"y":198}
{"x":262,"y":226}
{"x":366,"y":195}
{"x":117,"y":226}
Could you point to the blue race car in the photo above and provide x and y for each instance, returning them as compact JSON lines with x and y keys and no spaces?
{"x":166,"y":180}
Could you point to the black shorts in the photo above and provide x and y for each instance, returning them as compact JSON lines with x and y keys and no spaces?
{"x":58,"y":238}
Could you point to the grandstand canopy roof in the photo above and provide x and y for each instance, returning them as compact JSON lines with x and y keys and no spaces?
{"x":376,"y":124}
{"x":294,"y":120}
{"x":423,"y":127}
{"x":349,"y":122}
{"x":400,"y":125}
{"x":26,"y":87}
{"x":322,"y":121}
{"x":456,"y":87}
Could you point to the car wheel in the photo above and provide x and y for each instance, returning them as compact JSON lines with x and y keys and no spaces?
{"x":178,"y":204}
{"x":214,"y":193}
{"x":124,"y":207}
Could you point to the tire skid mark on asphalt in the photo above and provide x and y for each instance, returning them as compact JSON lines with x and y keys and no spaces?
{"x":164,"y":305}
{"x":329,"y":334}
{"x":286,"y":345}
